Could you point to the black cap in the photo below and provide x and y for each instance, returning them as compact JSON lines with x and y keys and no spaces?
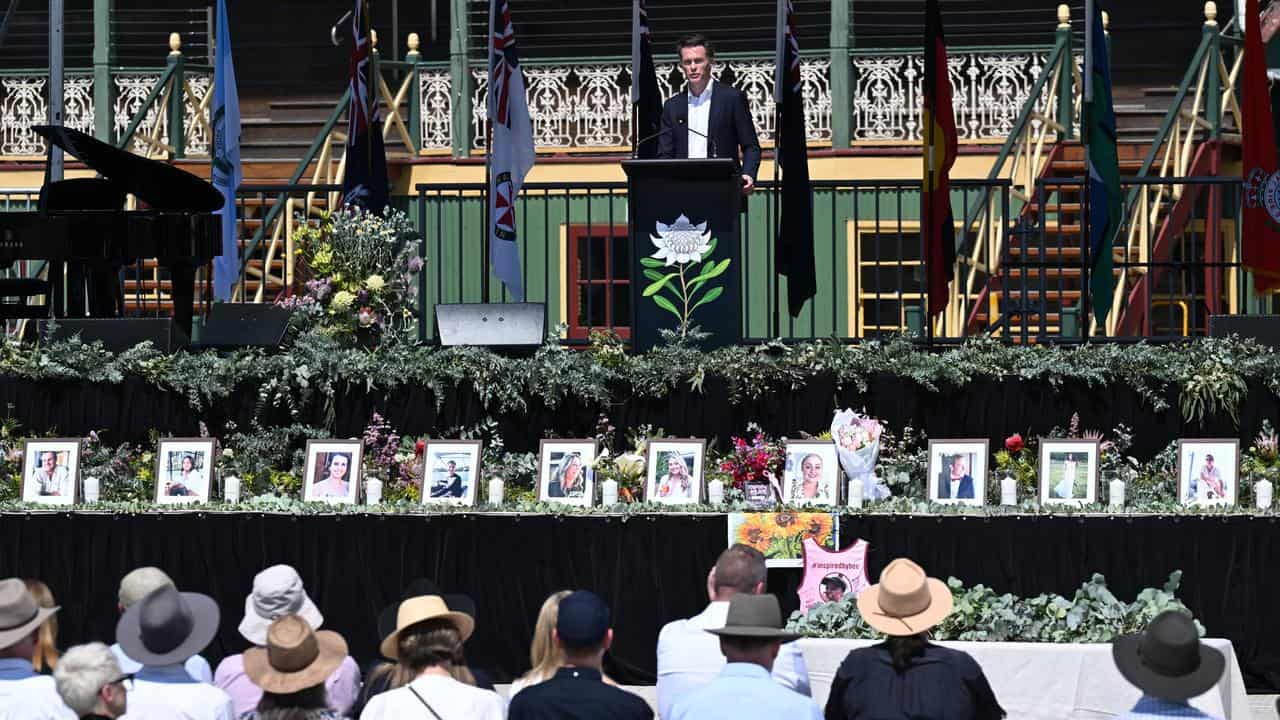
{"x":583,"y":620}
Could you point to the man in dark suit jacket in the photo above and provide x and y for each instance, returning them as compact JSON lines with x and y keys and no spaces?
{"x":715,"y":110}
{"x":960,"y":475}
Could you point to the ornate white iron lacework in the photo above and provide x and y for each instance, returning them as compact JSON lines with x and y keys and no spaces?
{"x":131,"y":90}
{"x":23,"y":103}
{"x":437,"y":109}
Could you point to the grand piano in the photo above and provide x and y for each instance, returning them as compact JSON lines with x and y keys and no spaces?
{"x":82,"y":224}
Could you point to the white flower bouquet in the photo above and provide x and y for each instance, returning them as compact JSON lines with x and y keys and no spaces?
{"x":857,"y":441}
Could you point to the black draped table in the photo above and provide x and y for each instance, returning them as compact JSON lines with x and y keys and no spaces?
{"x":650,"y":568}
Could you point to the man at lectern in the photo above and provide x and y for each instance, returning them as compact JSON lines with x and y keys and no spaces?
{"x":708,"y":119}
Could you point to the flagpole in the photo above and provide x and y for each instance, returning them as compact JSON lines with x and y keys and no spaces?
{"x":779,"y":78}
{"x":488,"y":165}
{"x":635,"y":77}
{"x":1086,"y":138}
{"x":927,"y":202}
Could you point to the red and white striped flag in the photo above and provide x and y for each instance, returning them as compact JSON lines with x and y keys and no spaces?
{"x":511,"y":151}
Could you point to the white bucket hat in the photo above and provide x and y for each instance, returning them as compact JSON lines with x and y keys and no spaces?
{"x":277,"y":591}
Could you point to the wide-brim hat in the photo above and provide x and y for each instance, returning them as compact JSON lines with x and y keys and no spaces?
{"x":420,"y":609}
{"x":277,"y":591}
{"x":457,"y":602}
{"x":295,"y":658}
{"x":20,"y":615}
{"x":168,"y":626}
{"x":1167,"y":660}
{"x":754,"y":616}
{"x":906,"y":601}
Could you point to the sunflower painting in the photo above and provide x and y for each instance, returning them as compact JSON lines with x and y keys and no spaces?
{"x":779,"y":536}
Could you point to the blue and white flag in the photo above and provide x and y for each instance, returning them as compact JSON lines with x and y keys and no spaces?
{"x":226,"y":156}
{"x":511,"y":151}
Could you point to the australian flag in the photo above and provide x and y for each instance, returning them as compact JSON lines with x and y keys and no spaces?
{"x":365,"y":182}
{"x":511,"y":151}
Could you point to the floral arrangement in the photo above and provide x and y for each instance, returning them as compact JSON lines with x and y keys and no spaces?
{"x":623,"y":464}
{"x":361,"y":267}
{"x":1092,"y":615}
{"x":857,"y":440}
{"x":1261,"y":461}
{"x":385,"y":458}
{"x":1018,"y":460}
{"x":752,"y":462}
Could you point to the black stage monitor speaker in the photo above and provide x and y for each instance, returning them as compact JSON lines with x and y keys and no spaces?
{"x":1263,"y":328}
{"x":236,"y":325}
{"x":117,"y":334}
{"x":492,"y":324}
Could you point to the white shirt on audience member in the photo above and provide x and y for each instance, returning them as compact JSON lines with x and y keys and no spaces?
{"x":448,"y":698}
{"x":197,"y":667}
{"x":168,"y":692}
{"x":689,"y":657}
{"x":24,"y":695}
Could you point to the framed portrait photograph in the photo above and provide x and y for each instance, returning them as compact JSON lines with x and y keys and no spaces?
{"x":332,"y":471}
{"x":184,"y":470}
{"x":1208,"y":471}
{"x":810,"y":473}
{"x":958,"y":471}
{"x":50,"y":470}
{"x":673,"y":470}
{"x":1068,"y":472}
{"x":564,"y":472}
{"x":451,"y":472}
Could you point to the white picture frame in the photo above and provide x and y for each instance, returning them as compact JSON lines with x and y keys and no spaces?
{"x":1200,"y":461}
{"x":1069,"y":472}
{"x":556,"y":461}
{"x":451,"y":471}
{"x":321,"y":471}
{"x":659,"y":486}
{"x":57,"y":486}
{"x":822,"y":473}
{"x":945,"y":456}
{"x":178,"y":484}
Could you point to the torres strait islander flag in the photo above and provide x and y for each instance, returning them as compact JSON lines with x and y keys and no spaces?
{"x":511,"y":151}
{"x":938,"y":125}
{"x":1261,"y":237}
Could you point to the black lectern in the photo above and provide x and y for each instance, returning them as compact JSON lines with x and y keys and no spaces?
{"x":685,"y":265}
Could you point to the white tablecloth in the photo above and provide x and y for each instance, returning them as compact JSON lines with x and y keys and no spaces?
{"x":1047,"y":681}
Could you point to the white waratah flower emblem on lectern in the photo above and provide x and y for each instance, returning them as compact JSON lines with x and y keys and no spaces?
{"x":681,"y":241}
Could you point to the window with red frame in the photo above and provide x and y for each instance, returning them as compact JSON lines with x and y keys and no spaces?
{"x":599,"y":280}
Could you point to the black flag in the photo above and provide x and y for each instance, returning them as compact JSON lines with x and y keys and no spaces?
{"x":794,"y":244}
{"x":644,"y":84}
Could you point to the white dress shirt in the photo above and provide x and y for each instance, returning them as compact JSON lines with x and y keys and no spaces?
{"x":169,"y":693}
{"x":700,"y":120}
{"x":450,"y":699}
{"x":24,"y":695}
{"x":689,"y":657}
{"x":197,"y":667}
{"x":955,"y":488}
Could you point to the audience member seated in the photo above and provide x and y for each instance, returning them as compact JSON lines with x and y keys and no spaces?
{"x":135,"y":586}
{"x":278,"y":591}
{"x":751,"y":639}
{"x":90,"y":682}
{"x":161,"y":631}
{"x":906,"y":676}
{"x":24,"y":693}
{"x":291,"y":670}
{"x":427,"y":641}
{"x":689,"y":657}
{"x":46,"y":654}
{"x":544,"y":657}
{"x":577,"y":691}
{"x":1170,"y":665}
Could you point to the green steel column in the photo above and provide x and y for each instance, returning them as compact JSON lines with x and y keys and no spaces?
{"x":102,"y":95}
{"x":413,"y":57}
{"x":1066,"y":84}
{"x":459,"y":78}
{"x":1213,"y":82}
{"x":176,"y":109}
{"x":841,"y":76}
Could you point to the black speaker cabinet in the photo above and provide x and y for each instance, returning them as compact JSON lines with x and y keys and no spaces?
{"x":1263,"y":328}
{"x":235,"y":325}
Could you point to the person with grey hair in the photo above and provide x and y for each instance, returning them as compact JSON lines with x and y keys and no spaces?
{"x":689,"y":657}
{"x":136,"y":585}
{"x":90,"y":682}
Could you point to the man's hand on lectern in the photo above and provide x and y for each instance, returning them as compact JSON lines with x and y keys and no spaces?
{"x":748,"y":185}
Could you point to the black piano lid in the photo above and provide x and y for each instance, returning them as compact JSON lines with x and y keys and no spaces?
{"x":158,"y":184}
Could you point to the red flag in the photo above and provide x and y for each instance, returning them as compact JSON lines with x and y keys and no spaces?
{"x":1261,"y":238}
{"x":938,"y":129}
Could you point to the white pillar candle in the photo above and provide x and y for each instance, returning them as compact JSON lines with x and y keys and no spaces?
{"x":1115,"y":493}
{"x":372,"y":491}
{"x":91,"y":489}
{"x":855,"y":493}
{"x":496,"y":490}
{"x":1008,"y":490}
{"x":715,"y":492}
{"x":609,"y":492}
{"x":1262,"y":491}
{"x":231,"y":490}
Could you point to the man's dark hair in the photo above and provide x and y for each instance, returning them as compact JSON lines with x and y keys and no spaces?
{"x":741,"y":567}
{"x":833,"y":582}
{"x":696,"y":40}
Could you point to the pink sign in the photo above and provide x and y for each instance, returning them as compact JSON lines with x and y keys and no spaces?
{"x":832,"y":576}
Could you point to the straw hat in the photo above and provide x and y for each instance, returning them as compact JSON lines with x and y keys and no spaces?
{"x":906,"y":601}
{"x":295,"y":658}
{"x":420,"y":609}
{"x":20,"y":615}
